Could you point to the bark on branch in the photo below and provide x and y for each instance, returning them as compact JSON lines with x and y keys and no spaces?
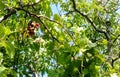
{"x":39,"y":17}
{"x":13,"y":10}
{"x":116,"y":38}
{"x":87,"y":18}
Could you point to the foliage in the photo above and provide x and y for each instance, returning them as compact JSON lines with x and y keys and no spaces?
{"x":81,"y":40}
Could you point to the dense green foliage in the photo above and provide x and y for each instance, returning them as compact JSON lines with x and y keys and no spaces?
{"x":81,"y":40}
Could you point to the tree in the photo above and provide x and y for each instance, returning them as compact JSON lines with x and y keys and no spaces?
{"x":81,"y":40}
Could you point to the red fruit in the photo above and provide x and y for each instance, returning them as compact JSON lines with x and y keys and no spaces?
{"x":31,"y":33}
{"x":30,"y":28}
{"x":37,"y":25}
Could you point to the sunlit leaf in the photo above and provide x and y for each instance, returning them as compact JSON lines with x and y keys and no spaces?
{"x":9,"y":48}
{"x":2,"y":31}
{"x":2,"y":68}
{"x":2,"y":5}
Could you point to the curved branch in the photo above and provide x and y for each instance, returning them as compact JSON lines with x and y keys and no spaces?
{"x":113,"y":60}
{"x":11,"y":12}
{"x":106,"y":33}
{"x":87,"y":18}
{"x":39,"y":17}
{"x":49,"y":31}
{"x":42,"y":16}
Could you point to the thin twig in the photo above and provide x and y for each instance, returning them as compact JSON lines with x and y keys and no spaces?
{"x":13,"y":10}
{"x":39,"y":17}
{"x":116,"y":38}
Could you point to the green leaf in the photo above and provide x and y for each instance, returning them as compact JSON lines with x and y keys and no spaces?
{"x":75,"y":69}
{"x":61,"y":37}
{"x":2,"y":68}
{"x":7,"y":30}
{"x":104,"y":41}
{"x":99,"y":58}
{"x":93,"y":51}
{"x":56,"y":17}
{"x":9,"y":48}
{"x":53,"y":73}
{"x":1,"y":58}
{"x":2,"y":5}
{"x":2,"y":31}
{"x":85,"y":71}
{"x":83,"y":42}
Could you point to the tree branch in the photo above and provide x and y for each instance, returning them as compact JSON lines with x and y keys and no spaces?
{"x":113,"y":60}
{"x":39,"y":17}
{"x":106,"y":33}
{"x":87,"y":18}
{"x":69,"y":12}
{"x":11,"y":12}
{"x":49,"y":31}
{"x":116,"y":38}
{"x":42,"y":16}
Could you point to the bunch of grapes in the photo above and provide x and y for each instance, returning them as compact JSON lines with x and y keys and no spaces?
{"x":32,"y":26}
